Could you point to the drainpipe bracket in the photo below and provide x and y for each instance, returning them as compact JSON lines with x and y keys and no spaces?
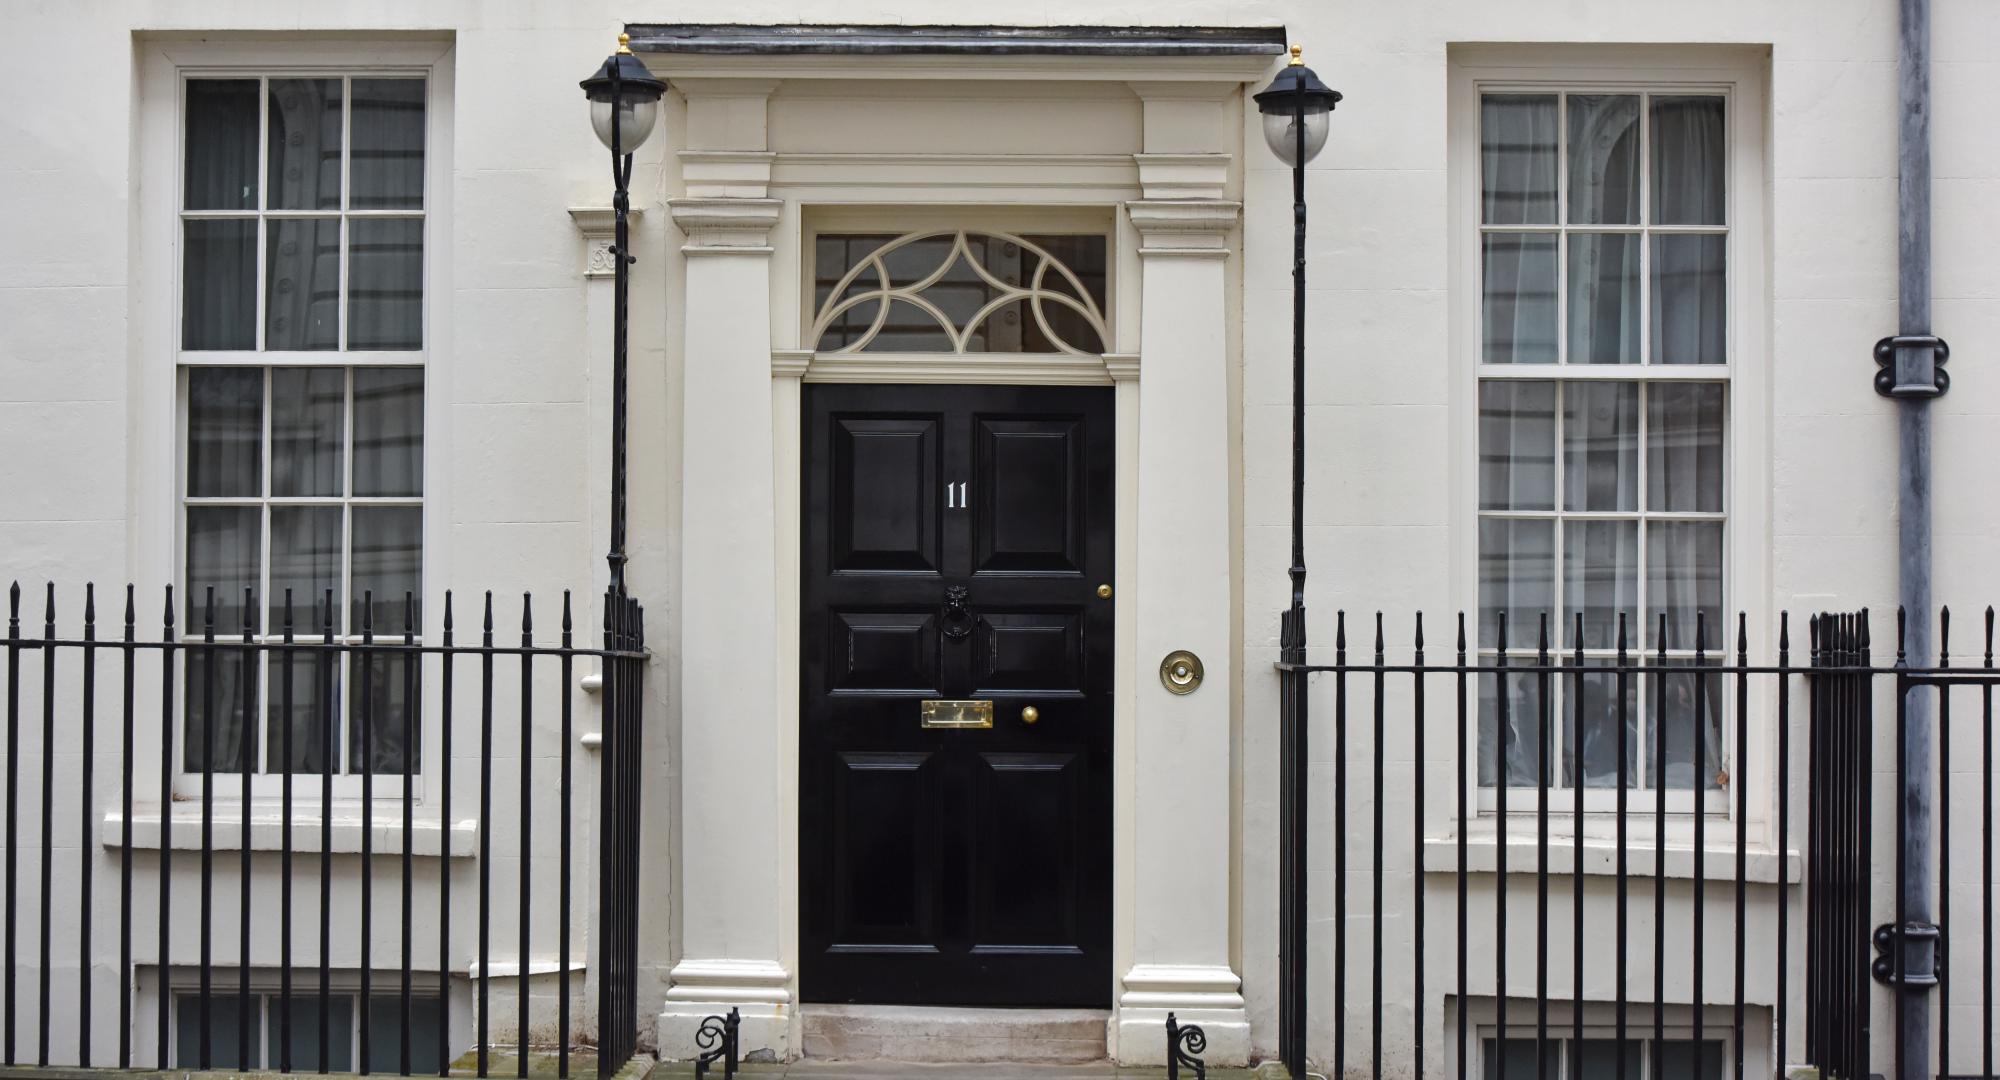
{"x":1920,"y":965}
{"x":1927,"y":377}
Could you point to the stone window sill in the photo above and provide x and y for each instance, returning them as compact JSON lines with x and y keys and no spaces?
{"x":1600,"y":857}
{"x":266,"y":827}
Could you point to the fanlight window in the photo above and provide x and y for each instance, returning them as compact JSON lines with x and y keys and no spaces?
{"x":959,"y":292}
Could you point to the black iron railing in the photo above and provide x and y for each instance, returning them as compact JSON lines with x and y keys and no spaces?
{"x":1546,"y":744}
{"x":254,"y":722}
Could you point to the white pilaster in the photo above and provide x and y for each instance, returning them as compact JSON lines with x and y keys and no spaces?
{"x":733,"y":909}
{"x":1181,"y":907}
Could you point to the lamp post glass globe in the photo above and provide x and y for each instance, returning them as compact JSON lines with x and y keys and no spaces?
{"x":1281,"y":133}
{"x":635,"y":119}
{"x":1296,"y":93}
{"x":624,"y":99}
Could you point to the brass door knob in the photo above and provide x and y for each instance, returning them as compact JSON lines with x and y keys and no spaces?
{"x":1030,"y":714}
{"x":1104,"y":592}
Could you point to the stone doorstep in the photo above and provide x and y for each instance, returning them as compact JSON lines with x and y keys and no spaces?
{"x":953,"y":1036}
{"x":885,"y":1070}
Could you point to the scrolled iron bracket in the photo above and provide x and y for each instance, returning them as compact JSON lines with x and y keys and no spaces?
{"x":716,"y":1037}
{"x":1184,"y":1042}
{"x":1921,"y":973}
{"x":1888,"y":381}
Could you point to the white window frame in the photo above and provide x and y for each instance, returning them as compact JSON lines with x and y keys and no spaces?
{"x":1638,"y":1033}
{"x":1738,"y":74}
{"x":1056,"y":368}
{"x":185,"y":993}
{"x":160,"y":430}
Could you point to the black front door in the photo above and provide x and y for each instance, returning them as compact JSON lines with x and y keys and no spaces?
{"x":958,"y":546}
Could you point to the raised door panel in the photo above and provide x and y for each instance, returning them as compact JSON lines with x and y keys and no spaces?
{"x":1027,"y":496}
{"x":1026,"y":882}
{"x":885,"y":851}
{"x":1038,"y":651}
{"x":882,"y":651}
{"x":884,"y":502}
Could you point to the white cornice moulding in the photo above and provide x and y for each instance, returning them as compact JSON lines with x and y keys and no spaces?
{"x":1121,"y":366}
{"x":1195,"y":228}
{"x":696,"y":70}
{"x":725,"y":226}
{"x":790,"y":363}
{"x":1002,"y":369}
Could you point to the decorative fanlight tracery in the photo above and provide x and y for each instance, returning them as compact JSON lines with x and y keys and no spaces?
{"x":961,"y":291}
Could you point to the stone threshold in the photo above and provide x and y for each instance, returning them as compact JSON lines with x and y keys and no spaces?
{"x":886,"y":1070}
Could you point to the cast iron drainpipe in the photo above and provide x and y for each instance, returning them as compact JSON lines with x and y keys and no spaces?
{"x":1912,"y":374}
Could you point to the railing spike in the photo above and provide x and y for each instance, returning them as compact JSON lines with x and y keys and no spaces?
{"x":1419,"y":641}
{"x":489,"y":613}
{"x":1742,"y":637}
{"x":1784,"y":631}
{"x":447,"y":611}
{"x":89,"y":603}
{"x":1378,"y":637}
{"x":168,"y":619}
{"x":49,"y":608}
{"x":1989,"y":635}
{"x":131,"y":606}
{"x":1944,"y":636}
{"x":527,"y":615}
{"x":1461,"y":635}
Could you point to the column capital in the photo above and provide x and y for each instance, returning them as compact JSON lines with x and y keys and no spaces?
{"x":1186,"y":227}
{"x":722,"y":226}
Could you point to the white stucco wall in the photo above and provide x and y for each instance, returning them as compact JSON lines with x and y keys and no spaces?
{"x":518,"y":448}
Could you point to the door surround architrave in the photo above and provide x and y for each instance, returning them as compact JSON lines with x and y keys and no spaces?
{"x":1171,"y":208}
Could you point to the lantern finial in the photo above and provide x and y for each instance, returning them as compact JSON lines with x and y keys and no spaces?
{"x":625,"y":46}
{"x":1298,"y":56}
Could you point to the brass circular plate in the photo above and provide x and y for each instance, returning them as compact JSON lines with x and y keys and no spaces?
{"x":1180,"y":672}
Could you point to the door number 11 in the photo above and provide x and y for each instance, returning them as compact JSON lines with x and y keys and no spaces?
{"x":955,"y":501}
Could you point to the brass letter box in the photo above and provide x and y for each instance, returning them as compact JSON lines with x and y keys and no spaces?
{"x":958,"y":714}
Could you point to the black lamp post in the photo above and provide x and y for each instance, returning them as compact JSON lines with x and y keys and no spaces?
{"x":624,"y":104}
{"x":1297,"y":111}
